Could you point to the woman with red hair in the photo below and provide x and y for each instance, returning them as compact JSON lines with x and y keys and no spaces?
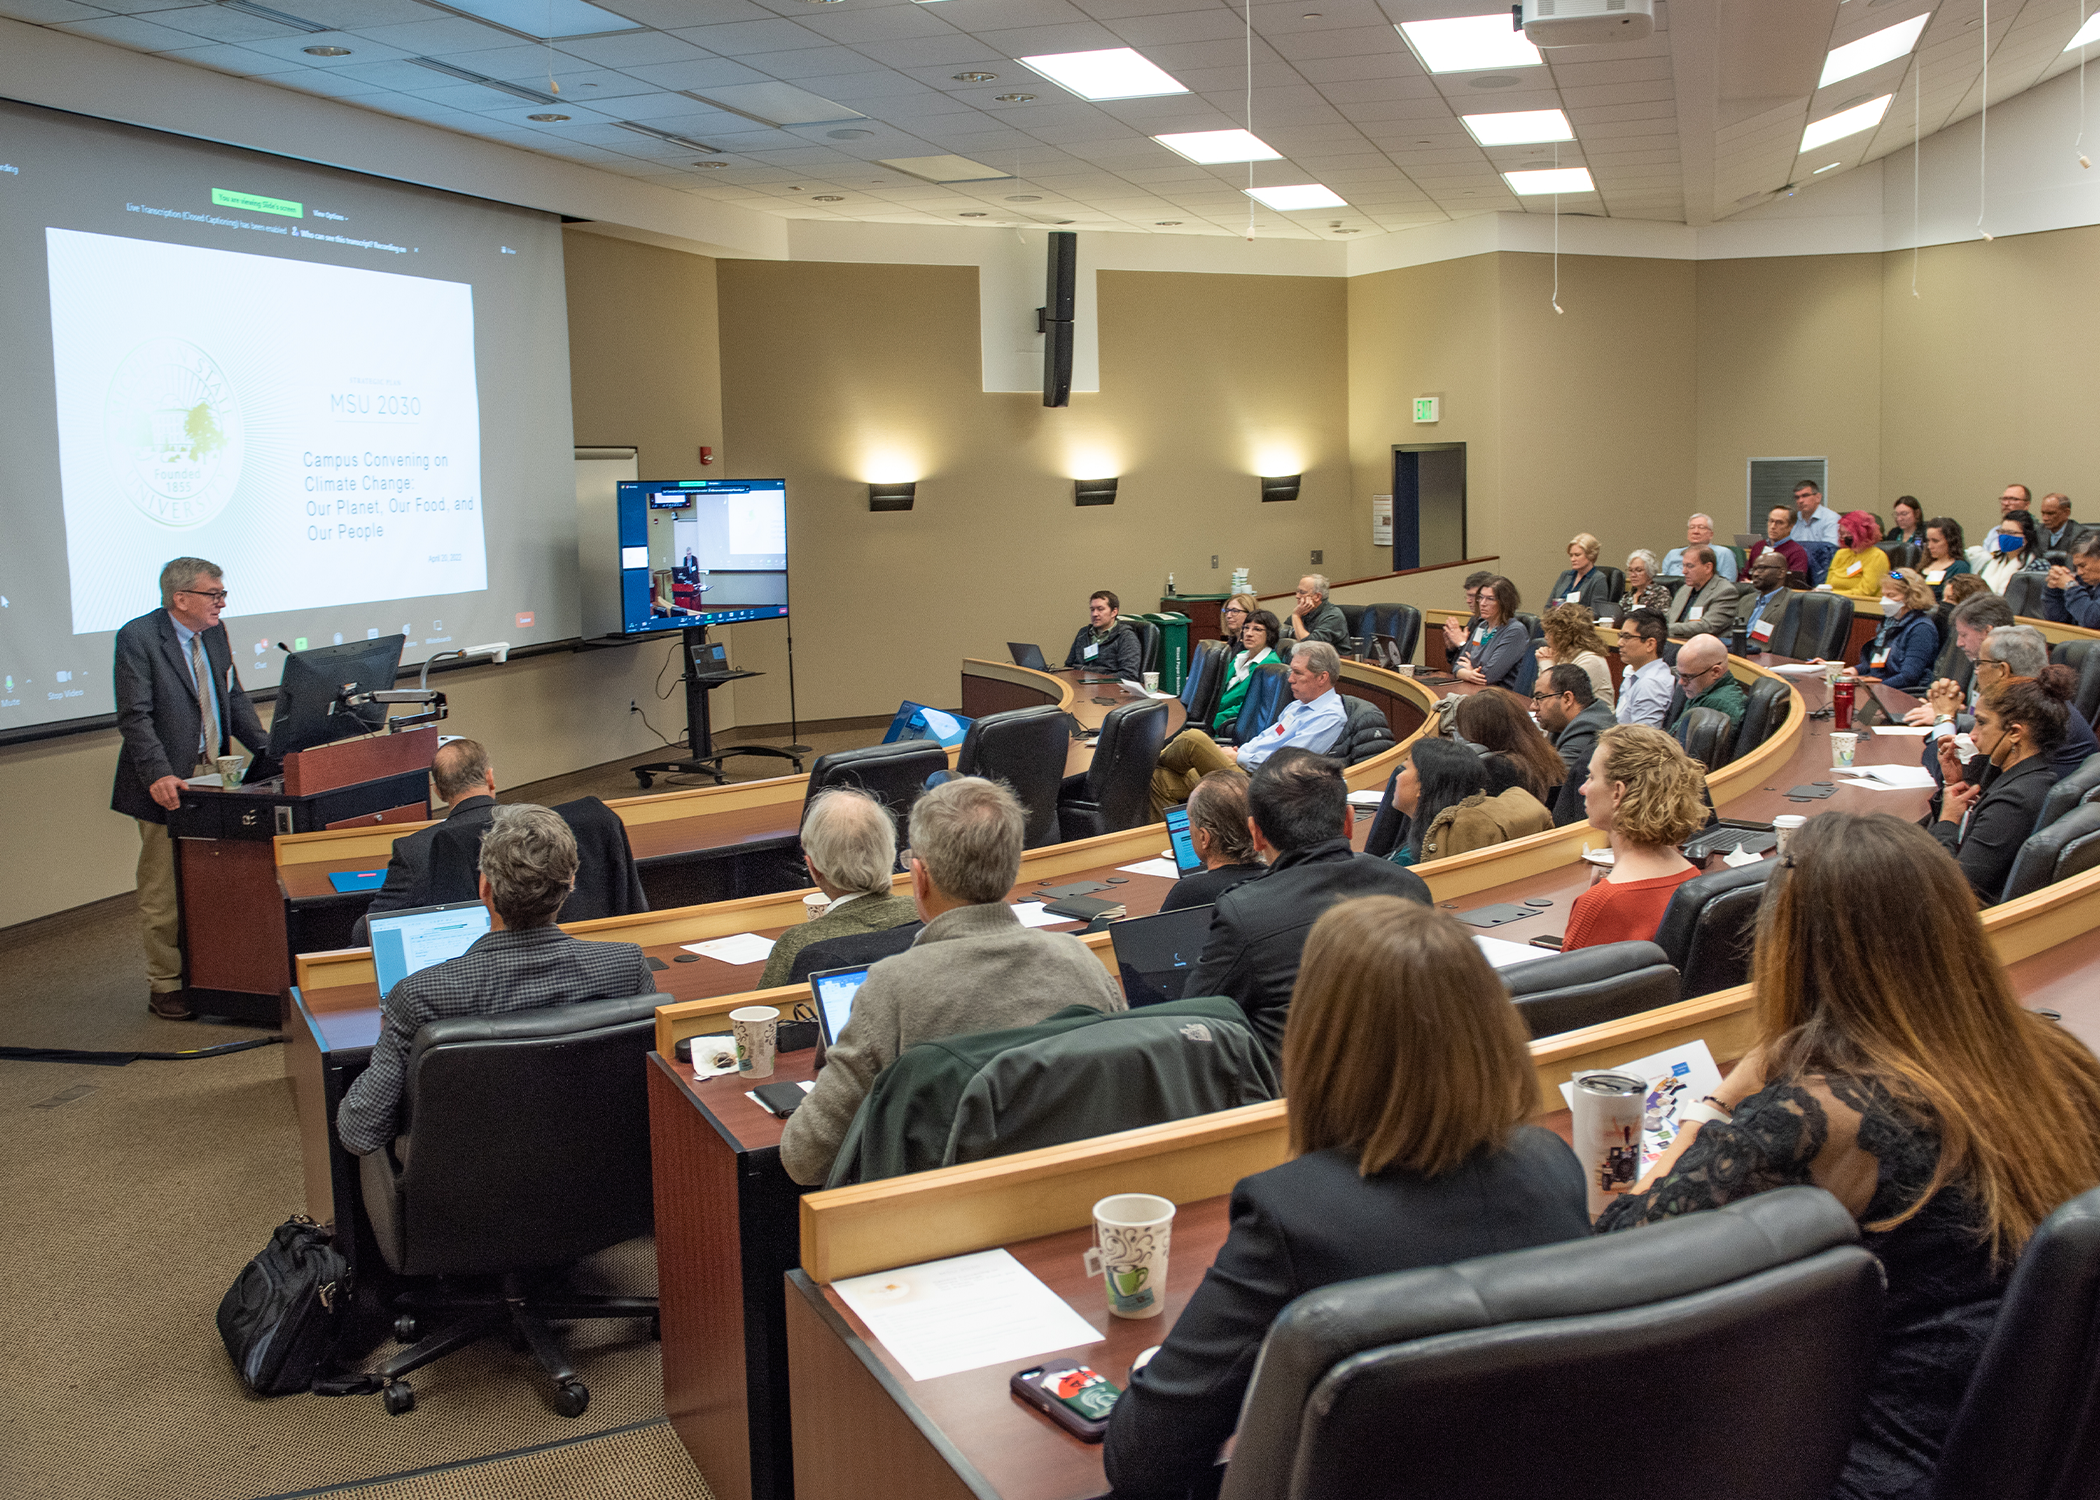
{"x":1859,"y":566}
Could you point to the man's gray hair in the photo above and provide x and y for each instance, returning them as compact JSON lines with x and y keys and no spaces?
{"x":2021,"y":647}
{"x":1700,"y":515}
{"x":851,"y":838}
{"x":1319,"y":658}
{"x":181,"y":573}
{"x":968,"y":832}
{"x":1984,"y":613}
{"x":529,"y":857}
{"x":459,"y":767}
{"x":1319,"y":581}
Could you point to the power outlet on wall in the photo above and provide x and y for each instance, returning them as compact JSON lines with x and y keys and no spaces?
{"x":1316,"y":556}
{"x":633,"y":707}
{"x":1214,"y":559}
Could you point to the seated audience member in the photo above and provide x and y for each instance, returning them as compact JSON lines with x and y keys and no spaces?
{"x":1583,"y":583}
{"x":465,"y":781}
{"x":1494,"y":650}
{"x":2009,"y":653}
{"x":1702,"y":666}
{"x":1218,"y":829}
{"x":1313,"y":720}
{"x":1903,"y":649}
{"x":528,"y":868}
{"x":1568,"y":711}
{"x":1705,"y":603}
{"x":1989,"y":807}
{"x":1943,"y":560}
{"x":849,"y":845}
{"x":1907,"y":527}
{"x":1260,"y":639}
{"x":1894,"y":1068}
{"x":1647,"y":685}
{"x":1859,"y":565}
{"x":1233,"y":616}
{"x":1456,"y":635}
{"x":1313,"y":618}
{"x":1644,"y":790}
{"x":1947,"y":707}
{"x":1105,"y":645}
{"x":1699,"y":532}
{"x":1299,"y":807}
{"x":1813,"y":521}
{"x":1644,"y":589}
{"x":1766,"y":604}
{"x":1572,"y":640}
{"x":2010,"y":548}
{"x":1962,"y":588}
{"x":1424,"y":785}
{"x":1779,"y":538}
{"x":973,"y":967}
{"x":2072,"y":596}
{"x":1515,"y":750}
{"x":1410,"y":1088}
{"x":2057,"y":531}
{"x":1442,"y":789}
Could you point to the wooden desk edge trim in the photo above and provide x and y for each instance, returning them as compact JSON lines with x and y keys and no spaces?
{"x":1357,"y":583}
{"x":1058,"y":690}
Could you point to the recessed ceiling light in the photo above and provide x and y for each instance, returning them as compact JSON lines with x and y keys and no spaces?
{"x":847,"y":135}
{"x":1520,"y":127}
{"x":1303,"y":195}
{"x":1166,"y":223}
{"x":1013,"y":98}
{"x":1550,"y":180}
{"x":1468,"y":44}
{"x":827,"y":198}
{"x":1025,"y":198}
{"x":1845,"y":122}
{"x":1347,"y":231}
{"x":1213,"y":146}
{"x":1831,"y":168}
{"x":1111,"y":73}
{"x":976,"y":216}
{"x":546,"y":119}
{"x":711,"y":165}
{"x":2088,"y":34}
{"x":975,"y":77}
{"x":1885,"y":45}
{"x":326,"y":51}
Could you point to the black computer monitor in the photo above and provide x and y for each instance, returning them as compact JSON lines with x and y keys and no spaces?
{"x":306,"y":695}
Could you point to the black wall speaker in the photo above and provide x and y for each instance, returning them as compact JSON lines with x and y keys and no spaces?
{"x":1060,"y":279}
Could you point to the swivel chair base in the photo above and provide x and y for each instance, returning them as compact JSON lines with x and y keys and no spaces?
{"x":711,"y":763}
{"x":490,"y":1310}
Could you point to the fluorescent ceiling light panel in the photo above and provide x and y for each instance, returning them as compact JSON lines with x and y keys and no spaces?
{"x":1519,"y":127}
{"x":775,"y":104}
{"x":946,"y":169}
{"x":1212,"y":146}
{"x":2088,"y":34}
{"x":1550,"y":180}
{"x":1886,"y":45}
{"x":1470,"y":44}
{"x":1845,"y":122}
{"x":543,"y":20}
{"x":1287,"y":200}
{"x":1112,"y":73}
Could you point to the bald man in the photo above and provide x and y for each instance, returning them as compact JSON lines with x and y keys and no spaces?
{"x":465,"y":781}
{"x":1702,"y":667}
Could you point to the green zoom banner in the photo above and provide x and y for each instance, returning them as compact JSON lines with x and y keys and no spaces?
{"x":225,"y":198}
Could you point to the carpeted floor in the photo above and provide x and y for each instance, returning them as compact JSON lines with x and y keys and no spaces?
{"x":617,"y":1465}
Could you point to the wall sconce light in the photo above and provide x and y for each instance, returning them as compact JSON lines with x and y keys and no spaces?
{"x":1279,"y":487}
{"x":1094,"y":491}
{"x":892,"y":496}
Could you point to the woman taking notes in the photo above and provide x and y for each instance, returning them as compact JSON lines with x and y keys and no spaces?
{"x":1258,"y":641}
{"x":1410,"y":1083}
{"x":1644,"y":790}
{"x":1893,"y":1068}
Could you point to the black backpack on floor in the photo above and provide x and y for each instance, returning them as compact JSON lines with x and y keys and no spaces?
{"x":285,"y":1312}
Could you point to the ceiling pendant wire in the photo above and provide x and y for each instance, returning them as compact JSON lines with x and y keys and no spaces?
{"x":555,"y":88}
{"x":1983,"y":150}
{"x":1250,"y":115}
{"x":1556,"y":231}
{"x":1917,"y":92}
{"x":2078,"y":144}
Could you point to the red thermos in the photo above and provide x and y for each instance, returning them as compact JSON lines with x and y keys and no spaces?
{"x":1841,"y":703}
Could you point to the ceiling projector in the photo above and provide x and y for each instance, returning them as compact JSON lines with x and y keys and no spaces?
{"x":1582,"y":23}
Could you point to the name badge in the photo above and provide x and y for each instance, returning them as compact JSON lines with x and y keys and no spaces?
{"x":1879,"y":659}
{"x":1761,"y":632}
{"x":1573,"y":599}
{"x":1856,"y":568}
{"x":1090,"y":653}
{"x":1696,"y":613}
{"x":1935,"y":575}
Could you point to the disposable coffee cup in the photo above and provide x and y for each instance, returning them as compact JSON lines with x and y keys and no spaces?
{"x":1407,"y":669}
{"x":1832,"y":671}
{"x":1608,"y":1133}
{"x":757,"y":1030}
{"x":1152,"y":682}
{"x":1843,"y":748}
{"x":1786,"y":825}
{"x":231,"y":769}
{"x":815,"y":905}
{"x":1129,"y":1254}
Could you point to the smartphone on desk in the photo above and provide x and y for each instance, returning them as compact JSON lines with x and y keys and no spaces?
{"x":780,"y":1099}
{"x":1076,"y":1397}
{"x":1547,"y":941}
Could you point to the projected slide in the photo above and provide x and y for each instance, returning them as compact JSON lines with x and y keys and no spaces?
{"x":314,"y":429}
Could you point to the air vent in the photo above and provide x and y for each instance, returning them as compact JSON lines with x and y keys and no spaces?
{"x":297,"y":23}
{"x":468,"y":75}
{"x":1772,"y":482}
{"x":667,"y":135}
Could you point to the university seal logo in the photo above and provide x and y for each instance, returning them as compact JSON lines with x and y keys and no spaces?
{"x":173,"y":432}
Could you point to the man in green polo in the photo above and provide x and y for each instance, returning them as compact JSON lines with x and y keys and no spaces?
{"x":1702,"y":666}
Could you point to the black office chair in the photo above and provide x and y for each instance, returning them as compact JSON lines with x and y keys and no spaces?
{"x":1900,"y":554}
{"x":607,"y":883}
{"x":1815,"y":625}
{"x":1205,"y":682}
{"x":2070,"y":791}
{"x":1353,"y":615}
{"x":1367,"y":733}
{"x":2023,"y":591}
{"x":1531,"y":624}
{"x":1762,"y":1319}
{"x":1819,"y":557}
{"x":1707,"y":926}
{"x":2028,"y":1425}
{"x":1267,"y":691}
{"x":1403,"y":622}
{"x":1025,"y":748}
{"x":1708,"y":737}
{"x":1148,"y":642}
{"x":1952,"y":662}
{"x":528,"y":1149}
{"x":2085,"y":697}
{"x":1115,"y":790}
{"x":1590,"y":986}
{"x":853,"y":950}
{"x":893,"y":774}
{"x":1614,"y":582}
{"x":2056,"y":851}
{"x":1768,"y":701}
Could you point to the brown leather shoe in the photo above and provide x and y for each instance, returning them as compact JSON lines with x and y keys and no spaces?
{"x":169,"y":1005}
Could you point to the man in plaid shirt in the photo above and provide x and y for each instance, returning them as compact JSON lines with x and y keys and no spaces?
{"x":528,"y":868}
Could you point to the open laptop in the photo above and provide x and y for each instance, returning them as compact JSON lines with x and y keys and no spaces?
{"x":405,"y":941}
{"x":833,"y":990}
{"x":1027,"y":655}
{"x":1154,"y":954}
{"x":1186,"y":860}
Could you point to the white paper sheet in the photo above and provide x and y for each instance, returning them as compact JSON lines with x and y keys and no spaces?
{"x":964,"y":1313}
{"x":1165,"y":869}
{"x":1032,"y":914}
{"x":1909,"y":778}
{"x":1504,"y":954}
{"x":738,"y":948}
{"x":1905,"y":731}
{"x":1798,"y":669}
{"x":1370,"y":799}
{"x":1683,"y":1075}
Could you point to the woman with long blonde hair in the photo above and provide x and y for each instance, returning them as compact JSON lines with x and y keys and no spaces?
{"x":1893,"y":1068}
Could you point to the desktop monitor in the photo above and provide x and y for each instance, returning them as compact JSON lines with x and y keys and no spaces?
{"x":834,"y":990}
{"x":1154,"y":954}
{"x":306,"y":713}
{"x":405,"y":941}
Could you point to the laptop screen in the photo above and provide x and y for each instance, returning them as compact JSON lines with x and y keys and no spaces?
{"x":405,"y":941}
{"x":1154,"y":954}
{"x":834,"y":990}
{"x":1186,"y":860}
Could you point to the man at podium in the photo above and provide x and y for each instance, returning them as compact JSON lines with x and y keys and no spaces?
{"x":180,"y":705}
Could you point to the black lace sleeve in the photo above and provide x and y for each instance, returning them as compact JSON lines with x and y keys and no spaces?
{"x":1771,"y":1141}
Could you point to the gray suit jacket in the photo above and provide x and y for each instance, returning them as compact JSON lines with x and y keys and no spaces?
{"x":1717,"y":602}
{"x":157,"y":710}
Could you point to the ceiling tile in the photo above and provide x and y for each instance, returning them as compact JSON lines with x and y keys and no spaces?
{"x":129,"y":31}
{"x":706,"y":72}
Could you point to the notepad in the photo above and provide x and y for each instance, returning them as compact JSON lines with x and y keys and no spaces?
{"x":1032,"y":914}
{"x":346,"y":881}
{"x":1165,"y":869}
{"x":1504,"y":954}
{"x":964,"y":1313}
{"x":1908,"y":778}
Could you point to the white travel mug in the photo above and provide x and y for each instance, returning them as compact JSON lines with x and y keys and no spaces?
{"x":1131,"y":1232}
{"x":1608,"y":1133}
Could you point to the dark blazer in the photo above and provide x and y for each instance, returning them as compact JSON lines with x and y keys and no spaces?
{"x":1122,"y":654}
{"x":1774,"y":615}
{"x":1308,"y":1224}
{"x":1577,"y":742}
{"x":1594,"y":591}
{"x":1998,"y":824}
{"x":408,"y":872}
{"x":1206,"y":886}
{"x":157,"y":710}
{"x":1257,"y":930}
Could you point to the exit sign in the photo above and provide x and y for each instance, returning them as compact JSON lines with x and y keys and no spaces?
{"x":1425,"y":408}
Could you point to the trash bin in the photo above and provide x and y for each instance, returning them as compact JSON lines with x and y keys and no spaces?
{"x":1173,"y":649}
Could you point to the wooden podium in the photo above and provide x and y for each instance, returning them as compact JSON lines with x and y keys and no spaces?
{"x":236,"y":959}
